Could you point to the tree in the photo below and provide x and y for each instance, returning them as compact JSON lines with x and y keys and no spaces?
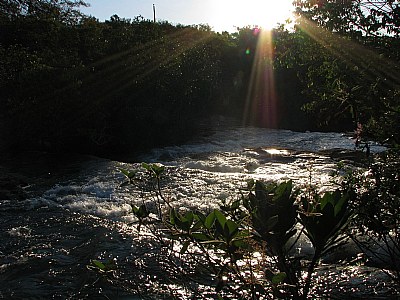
{"x":66,"y":11}
{"x":353,"y":68}
{"x":366,"y":17}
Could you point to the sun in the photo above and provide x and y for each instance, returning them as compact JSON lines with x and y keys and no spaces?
{"x":230,"y":14}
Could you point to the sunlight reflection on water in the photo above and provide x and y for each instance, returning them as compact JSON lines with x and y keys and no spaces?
{"x":88,"y":215}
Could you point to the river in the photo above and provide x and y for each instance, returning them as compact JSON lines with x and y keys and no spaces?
{"x":77,"y":209}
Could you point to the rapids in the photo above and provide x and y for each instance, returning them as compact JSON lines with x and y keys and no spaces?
{"x":77,"y":209}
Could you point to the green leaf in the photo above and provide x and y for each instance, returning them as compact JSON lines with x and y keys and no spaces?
{"x":209,"y":221}
{"x":250,"y":184}
{"x":143,"y":212}
{"x":188,"y":218}
{"x":271,"y":222}
{"x":158,"y":169}
{"x":327,"y":198}
{"x":279,"y":278}
{"x":128,"y":174}
{"x":235,"y":205}
{"x":201,"y":237}
{"x":172,"y":216}
{"x":241,"y":244}
{"x":125,"y":172}
{"x":135,"y":210}
{"x":220,"y":218}
{"x":200,"y":217}
{"x":283,"y":190}
{"x":231,"y":228}
{"x":98,"y":264}
{"x":243,"y":234}
{"x":140,"y":212}
{"x":185,"y":247}
{"x":155,"y":169}
{"x":341,"y":204}
{"x":261,"y":192}
{"x":146,"y":166}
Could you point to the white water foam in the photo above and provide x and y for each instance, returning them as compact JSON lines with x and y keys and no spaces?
{"x":204,"y":172}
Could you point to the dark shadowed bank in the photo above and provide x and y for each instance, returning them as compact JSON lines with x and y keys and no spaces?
{"x":70,"y":83}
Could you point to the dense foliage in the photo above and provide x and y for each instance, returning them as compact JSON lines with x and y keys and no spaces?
{"x":68,"y":80}
{"x":351,"y":62}
{"x":120,"y":83}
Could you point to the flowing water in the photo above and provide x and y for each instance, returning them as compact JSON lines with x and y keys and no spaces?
{"x":77,"y":209}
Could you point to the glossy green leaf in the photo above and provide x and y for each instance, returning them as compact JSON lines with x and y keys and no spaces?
{"x":135,"y":210}
{"x":327,"y":198}
{"x":220,"y":218}
{"x":209,"y":221}
{"x":283,"y":190}
{"x":158,"y":169}
{"x":200,"y":217}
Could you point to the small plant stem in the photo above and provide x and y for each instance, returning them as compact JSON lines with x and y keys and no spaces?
{"x":160,"y":193}
{"x":310,"y":270}
{"x":284,"y":266}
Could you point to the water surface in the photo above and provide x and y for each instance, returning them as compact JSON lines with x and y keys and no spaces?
{"x":77,"y":210}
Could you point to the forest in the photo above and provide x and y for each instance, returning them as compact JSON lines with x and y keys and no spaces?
{"x":70,"y":83}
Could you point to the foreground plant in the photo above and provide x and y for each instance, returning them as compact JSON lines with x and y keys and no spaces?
{"x":325,"y":220}
{"x":266,"y":220}
{"x":221,"y":241}
{"x":245,"y":248}
{"x":376,"y":229}
{"x":272,"y":213}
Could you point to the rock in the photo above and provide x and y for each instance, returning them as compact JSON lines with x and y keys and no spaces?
{"x":345,"y":155}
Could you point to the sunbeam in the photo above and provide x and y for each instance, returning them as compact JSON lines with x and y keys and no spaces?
{"x":261,"y":100}
{"x":136,"y":64}
{"x":116,"y":65}
{"x":354,"y":54}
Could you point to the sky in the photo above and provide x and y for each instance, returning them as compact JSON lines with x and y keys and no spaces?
{"x":221,"y":15}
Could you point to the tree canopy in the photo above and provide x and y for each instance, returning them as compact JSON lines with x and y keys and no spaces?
{"x":356,"y":72}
